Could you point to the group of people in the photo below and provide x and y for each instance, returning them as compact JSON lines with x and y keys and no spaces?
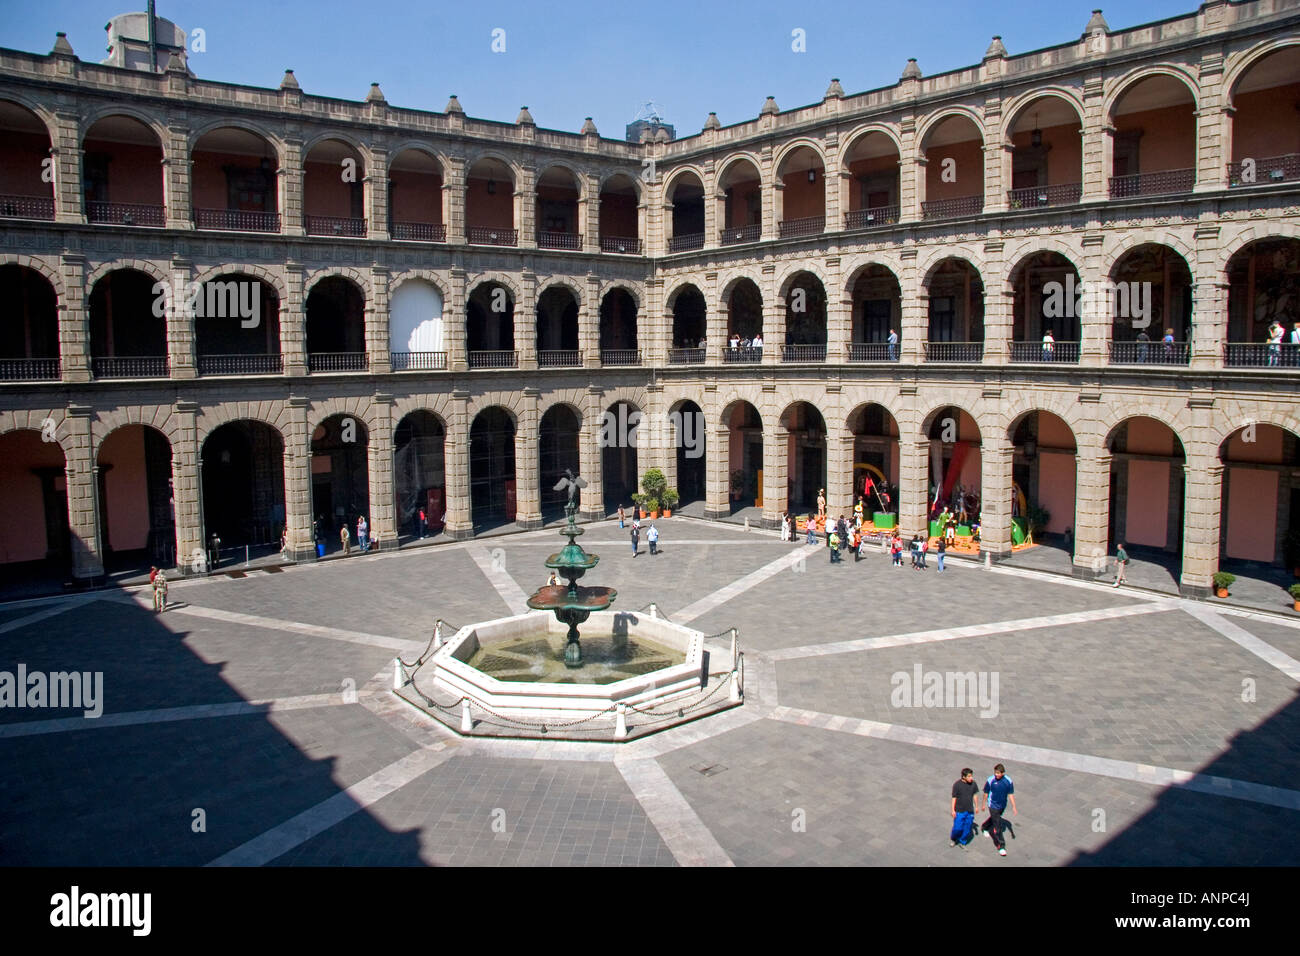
{"x":1277,"y":334}
{"x":651,"y":534}
{"x":968,"y":800}
{"x":1166,"y":346}
{"x":738,"y":341}
{"x":365,"y":540}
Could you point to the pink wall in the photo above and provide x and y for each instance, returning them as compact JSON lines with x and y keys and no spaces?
{"x":1056,"y":489}
{"x":618,"y":216}
{"x":1168,"y":137}
{"x":1260,"y":128}
{"x":1054,"y":433}
{"x":22,"y":532}
{"x":1147,"y":518}
{"x":802,"y":199}
{"x":325,"y":192}
{"x":125,"y":489}
{"x":1265,"y":449}
{"x":1146,"y":436}
{"x":740,"y":194}
{"x":135,"y":173}
{"x":971,"y":470}
{"x":208,"y":179}
{"x":1065,"y":158}
{"x":969,"y":171}
{"x":485,"y":211}
{"x":1252,"y":513}
{"x":415,"y":197}
{"x":20,"y":165}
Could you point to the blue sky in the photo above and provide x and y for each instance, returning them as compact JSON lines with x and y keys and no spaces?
{"x":578,"y":58}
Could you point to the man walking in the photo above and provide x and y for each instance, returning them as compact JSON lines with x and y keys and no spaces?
{"x":998,"y":789}
{"x":1121,"y":562}
{"x":964,"y":794}
{"x":345,"y":539}
{"x":652,"y":536}
{"x":636,"y":537}
{"x":834,"y":539}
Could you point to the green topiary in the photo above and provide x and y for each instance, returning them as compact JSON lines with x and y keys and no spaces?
{"x":1223,"y":580}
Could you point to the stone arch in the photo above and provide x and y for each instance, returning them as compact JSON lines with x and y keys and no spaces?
{"x":637,"y":184}
{"x":1175,"y":423}
{"x":725,"y":290}
{"x":358,"y":278}
{"x":507,"y":402}
{"x":232,"y":122}
{"x":682,"y":283}
{"x":579,"y":176}
{"x":1012,"y":109}
{"x":1238,"y":64}
{"x":670,"y":181}
{"x":630,"y":288}
{"x":39,"y":266}
{"x":1246,"y":234}
{"x":934,"y":119}
{"x":1131,"y":240}
{"x":861,"y":263}
{"x":271,"y":414}
{"x":158,"y":273}
{"x":732,"y":159}
{"x":1224,"y":427}
{"x":162,"y":421}
{"x":848,"y":140}
{"x":882,"y":400}
{"x":36,"y":108}
{"x":925,"y":272}
{"x":792,"y":272}
{"x":439,"y":282}
{"x":33,"y":419}
{"x":436,"y":405}
{"x":1020,"y":252}
{"x":563,"y":282}
{"x":572,"y":402}
{"x":733,"y":397}
{"x":88,"y":121}
{"x":270,"y":277}
{"x":470,"y":159}
{"x":358,"y":407}
{"x":790,"y":147}
{"x":1123,"y":84}
{"x":501,"y":278}
{"x":442,"y":159}
{"x":343,"y":136}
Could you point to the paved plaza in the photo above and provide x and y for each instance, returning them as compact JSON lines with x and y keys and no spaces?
{"x":254,"y":723}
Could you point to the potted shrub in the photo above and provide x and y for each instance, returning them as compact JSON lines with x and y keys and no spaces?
{"x":1222,"y":581}
{"x":648,"y":504}
{"x":669,"y":501}
{"x":654,"y":484}
{"x":1294,"y":591}
{"x":737,"y":484}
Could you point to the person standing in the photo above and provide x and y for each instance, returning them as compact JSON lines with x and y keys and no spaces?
{"x":821,"y":503}
{"x":834,"y":539}
{"x":893,"y":344}
{"x":363,"y":534}
{"x":622,"y":516}
{"x":998,"y":790}
{"x":857,"y":512}
{"x":159,"y":582}
{"x":1049,"y":346}
{"x":942,"y":552}
{"x":925,"y":549}
{"x":1295,"y":345}
{"x":785,"y":526}
{"x":636,"y":538}
{"x":812,"y":531}
{"x":1168,"y":342}
{"x":652,"y":536}
{"x":964,"y":794}
{"x":424,"y":523}
{"x":345,"y":539}
{"x":1121,"y":563}
{"x":214,"y":552}
{"x":1274,"y":343}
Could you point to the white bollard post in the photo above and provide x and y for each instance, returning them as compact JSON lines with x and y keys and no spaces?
{"x":466,"y":722}
{"x":437,"y":635}
{"x":399,"y":677}
{"x":735,"y":646}
{"x":746,"y":522}
{"x":735,"y":686}
{"x":620,"y":727}
{"x":988,"y":559}
{"x":654,"y":609}
{"x":246,"y":555}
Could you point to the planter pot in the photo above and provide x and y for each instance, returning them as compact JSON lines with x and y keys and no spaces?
{"x":653,"y":515}
{"x":1297,"y":604}
{"x":1221,"y":592}
{"x":668,"y":512}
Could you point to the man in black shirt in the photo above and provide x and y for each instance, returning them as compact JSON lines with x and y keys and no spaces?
{"x":964,"y":794}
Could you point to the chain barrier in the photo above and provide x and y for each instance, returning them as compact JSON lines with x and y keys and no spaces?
{"x":419,"y":661}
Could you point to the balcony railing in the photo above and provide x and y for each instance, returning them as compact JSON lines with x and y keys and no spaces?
{"x":620,"y":245}
{"x":620,"y":356}
{"x":1152,"y":184}
{"x":492,"y":360}
{"x":126,"y":213}
{"x":337,"y":362}
{"x":954,"y":351}
{"x":868,"y":218}
{"x":239,"y":365}
{"x":27,"y":207}
{"x":1261,"y":355}
{"x":808,"y":226}
{"x":741,"y":356}
{"x":1066,"y":353}
{"x":731,"y":237}
{"x":1064,"y":194}
{"x":686,"y":356}
{"x":803,"y":353}
{"x":559,"y":358}
{"x":237,"y":220}
{"x":418,"y":231}
{"x":1272,"y":169}
{"x":559,"y":240}
{"x":336,"y":226}
{"x":129,"y":366}
{"x":28,"y":369}
{"x":952,"y":208}
{"x":481,"y":236}
{"x":1149,"y":353}
{"x":872,"y":352}
{"x":694,"y":240}
{"x":418,"y":361}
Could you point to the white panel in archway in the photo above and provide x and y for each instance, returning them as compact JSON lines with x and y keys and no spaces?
{"x":415,"y":318}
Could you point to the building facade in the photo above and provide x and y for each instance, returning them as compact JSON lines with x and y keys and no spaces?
{"x":1047,"y":282}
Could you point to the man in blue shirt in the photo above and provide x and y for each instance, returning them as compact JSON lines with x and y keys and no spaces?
{"x":998,"y":789}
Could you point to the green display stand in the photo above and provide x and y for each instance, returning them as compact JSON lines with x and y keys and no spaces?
{"x":883,"y":519}
{"x":936,"y":529}
{"x":963,"y":530}
{"x":1019,"y":530}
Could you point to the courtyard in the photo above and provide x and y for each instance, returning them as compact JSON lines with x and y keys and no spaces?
{"x":254,"y":724}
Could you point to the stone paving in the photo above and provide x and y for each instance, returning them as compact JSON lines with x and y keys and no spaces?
{"x":253,"y":723}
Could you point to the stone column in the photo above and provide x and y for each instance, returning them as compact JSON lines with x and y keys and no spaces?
{"x":528,"y":502}
{"x":715,"y":324}
{"x":1096,"y":143}
{"x":996,"y":155}
{"x":293,"y":320}
{"x":526,"y":207}
{"x":995,"y":496}
{"x":180,"y":321}
{"x":774,"y":324}
{"x":839,"y":471}
{"x":999,"y":320}
{"x":453,"y":201}
{"x":1213,"y":139}
{"x":1201,"y":526}
{"x":717,"y":477}
{"x":291,"y":192}
{"x":459,"y":524}
{"x":591,"y":458}
{"x":526,"y":321}
{"x":65,"y":150}
{"x":589,"y":324}
{"x":83,"y":495}
{"x":186,"y":502}
{"x":376,"y":327}
{"x":589,"y":214}
{"x":454,"y":316}
{"x":297,"y":480}
{"x":1091,"y":510}
{"x":714,"y":207}
{"x":379,"y":449}
{"x":776,"y":453}
{"x":374,"y":186}
{"x":916,"y":326}
{"x":176,"y":163}
{"x":912,"y":187}
{"x":74,"y":327}
{"x":833,"y":187}
{"x":913,"y":485}
{"x":1209,"y":302}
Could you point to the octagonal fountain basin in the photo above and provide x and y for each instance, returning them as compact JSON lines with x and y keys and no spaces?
{"x":513,"y":669}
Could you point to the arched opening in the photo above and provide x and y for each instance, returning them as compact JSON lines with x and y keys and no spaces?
{"x":956,"y":313}
{"x":691,"y":439}
{"x":557,"y":210}
{"x":492,"y":468}
{"x":122,"y":173}
{"x":234,"y":181}
{"x":1046,"y":154}
{"x":490,"y":327}
{"x":136,"y":514}
{"x":1045,"y":322}
{"x":689,"y":322}
{"x":29,"y":326}
{"x":873,"y":183}
{"x":26,"y":192}
{"x":744,"y":455}
{"x":415,"y":328}
{"x":877,"y":312}
{"x":1263,"y":293}
{"x":490,"y":204}
{"x":875,"y":465}
{"x":334,"y":202}
{"x":1151,"y":307}
{"x":415,"y":197}
{"x":1153,"y":145}
{"x":35,"y":540}
{"x":954,"y":171}
{"x":336,"y":326}
{"x":340,"y":478}
{"x":620,"y":229}
{"x":742,"y":203}
{"x":1260,"y":503}
{"x":956,"y":465}
{"x":801,"y":199}
{"x":806,"y":464}
{"x":557,"y":328}
{"x":1265,"y":140}
{"x":127,"y":338}
{"x":686,"y":196}
{"x":242,"y":466}
{"x":744,"y":322}
{"x":237,"y":327}
{"x":618,"y":332}
{"x":1147,"y":487}
{"x":805,"y":320}
{"x":1044,"y":455}
{"x":419,"y":475}
{"x":557,"y":450}
{"x":619,"y":433}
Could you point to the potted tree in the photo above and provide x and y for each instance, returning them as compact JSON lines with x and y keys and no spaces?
{"x":1222,"y":581}
{"x":737,"y":484}
{"x":669,"y":501}
{"x":654,"y":484}
{"x":1294,"y":591}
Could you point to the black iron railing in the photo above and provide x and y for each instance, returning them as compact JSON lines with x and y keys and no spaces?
{"x":620,"y":356}
{"x":1064,"y":194}
{"x":1270,"y":169}
{"x":694,"y":240}
{"x":872,"y":352}
{"x":237,"y":220}
{"x":1149,"y":353}
{"x":239,"y":364}
{"x":27,"y":207}
{"x":418,"y":231}
{"x":1152,"y":184}
{"x":129,"y":366}
{"x":418,"y":361}
{"x":126,"y":214}
{"x":337,"y":362}
{"x":492,"y":237}
{"x":952,"y":208}
{"x":803,"y":353}
{"x":335,"y":226}
{"x":559,"y":358}
{"x":620,"y":245}
{"x":737,"y":234}
{"x":741,"y":356}
{"x":686,"y":356}
{"x":1261,"y":355}
{"x":497,"y":359}
{"x":1059,"y":352}
{"x":954,"y":351}
{"x":869,"y":218}
{"x":558,"y":240}
{"x":28,"y":369}
{"x":808,"y":226}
